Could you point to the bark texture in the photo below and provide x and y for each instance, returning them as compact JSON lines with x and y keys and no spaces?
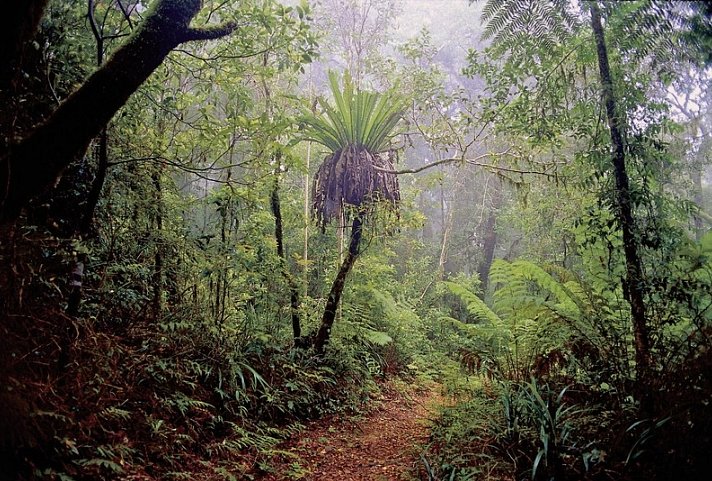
{"x":337,"y":288}
{"x":36,"y":163}
{"x":634,"y":277}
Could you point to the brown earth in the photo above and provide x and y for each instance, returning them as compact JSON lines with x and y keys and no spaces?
{"x":382,"y":446}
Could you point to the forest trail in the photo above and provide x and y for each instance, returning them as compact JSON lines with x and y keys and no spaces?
{"x":382,"y":446}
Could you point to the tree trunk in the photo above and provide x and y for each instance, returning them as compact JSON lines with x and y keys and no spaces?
{"x":698,"y":199}
{"x":293,"y":291}
{"x":157,"y":278}
{"x":34,"y":164}
{"x":698,"y":164}
{"x":102,"y":156}
{"x":490,"y":240}
{"x":305,"y":257}
{"x":337,"y":288}
{"x":633,"y":284}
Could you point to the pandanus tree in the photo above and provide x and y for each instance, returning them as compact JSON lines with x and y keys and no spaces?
{"x":357,"y":176}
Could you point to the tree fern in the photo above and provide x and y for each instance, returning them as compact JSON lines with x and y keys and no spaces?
{"x":523,"y":282}
{"x":543,"y":24}
{"x":532,"y":314}
{"x":475,"y":305}
{"x":652,"y":29}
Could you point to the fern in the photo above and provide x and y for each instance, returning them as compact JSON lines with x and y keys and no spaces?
{"x":376,"y":338}
{"x":645,"y":29}
{"x":115,"y":413}
{"x":512,"y":24}
{"x":524,"y":284}
{"x":532,"y":314}
{"x":475,"y":305}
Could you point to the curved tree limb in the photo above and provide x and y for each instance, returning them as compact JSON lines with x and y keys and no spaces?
{"x":34,"y":164}
{"x":474,"y":161}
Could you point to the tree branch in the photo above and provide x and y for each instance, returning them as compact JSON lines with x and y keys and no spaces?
{"x":209,"y":33}
{"x":474,"y":161}
{"x":34,"y":164}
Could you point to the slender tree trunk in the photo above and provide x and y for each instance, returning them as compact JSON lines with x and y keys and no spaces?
{"x":698,"y":200}
{"x":698,"y":164}
{"x":444,"y":241}
{"x":490,"y":240}
{"x":102,"y":157}
{"x":634,"y":278}
{"x":221,"y":281}
{"x":337,"y":288}
{"x":157,"y":303}
{"x":306,"y":223}
{"x":445,"y":228}
{"x":279,"y":237}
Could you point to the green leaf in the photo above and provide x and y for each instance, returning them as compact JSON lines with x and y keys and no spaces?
{"x":358,"y":118}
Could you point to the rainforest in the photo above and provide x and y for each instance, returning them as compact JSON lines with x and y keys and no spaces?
{"x":377,"y":240}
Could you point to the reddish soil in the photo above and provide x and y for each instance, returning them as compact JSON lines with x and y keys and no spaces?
{"x":382,"y":446}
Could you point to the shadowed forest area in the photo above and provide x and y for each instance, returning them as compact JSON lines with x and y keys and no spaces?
{"x":356,"y":240}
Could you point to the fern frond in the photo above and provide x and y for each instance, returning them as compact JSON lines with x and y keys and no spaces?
{"x":377,"y":338}
{"x":513,"y":24}
{"x":520,"y":282}
{"x":475,"y":305}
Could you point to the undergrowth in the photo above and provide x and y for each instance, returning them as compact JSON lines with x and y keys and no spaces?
{"x":159,"y":402}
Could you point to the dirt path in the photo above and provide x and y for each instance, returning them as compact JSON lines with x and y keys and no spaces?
{"x":383,"y":446}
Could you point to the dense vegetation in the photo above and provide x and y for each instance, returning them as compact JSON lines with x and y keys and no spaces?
{"x":222,"y":219}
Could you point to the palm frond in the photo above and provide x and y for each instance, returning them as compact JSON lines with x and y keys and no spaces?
{"x":360,"y":118}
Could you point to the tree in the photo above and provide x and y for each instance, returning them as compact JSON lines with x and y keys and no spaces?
{"x":349,"y":182}
{"x":634,"y":276}
{"x":540,"y":39}
{"x":356,"y":30}
{"x":35,"y":163}
{"x":18,"y":25}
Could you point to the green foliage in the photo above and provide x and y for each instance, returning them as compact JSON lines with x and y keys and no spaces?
{"x":510,"y":22}
{"x":475,"y":305}
{"x":180,"y":364}
{"x":363,"y":119}
{"x":534,"y":315}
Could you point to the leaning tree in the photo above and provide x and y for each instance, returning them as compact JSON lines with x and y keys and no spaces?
{"x":357,"y":176}
{"x":33,"y":164}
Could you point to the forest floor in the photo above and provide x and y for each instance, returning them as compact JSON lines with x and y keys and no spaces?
{"x":383,"y":445}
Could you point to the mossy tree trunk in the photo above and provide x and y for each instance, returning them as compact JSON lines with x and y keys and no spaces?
{"x":337,"y":288}
{"x":34,"y":164}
